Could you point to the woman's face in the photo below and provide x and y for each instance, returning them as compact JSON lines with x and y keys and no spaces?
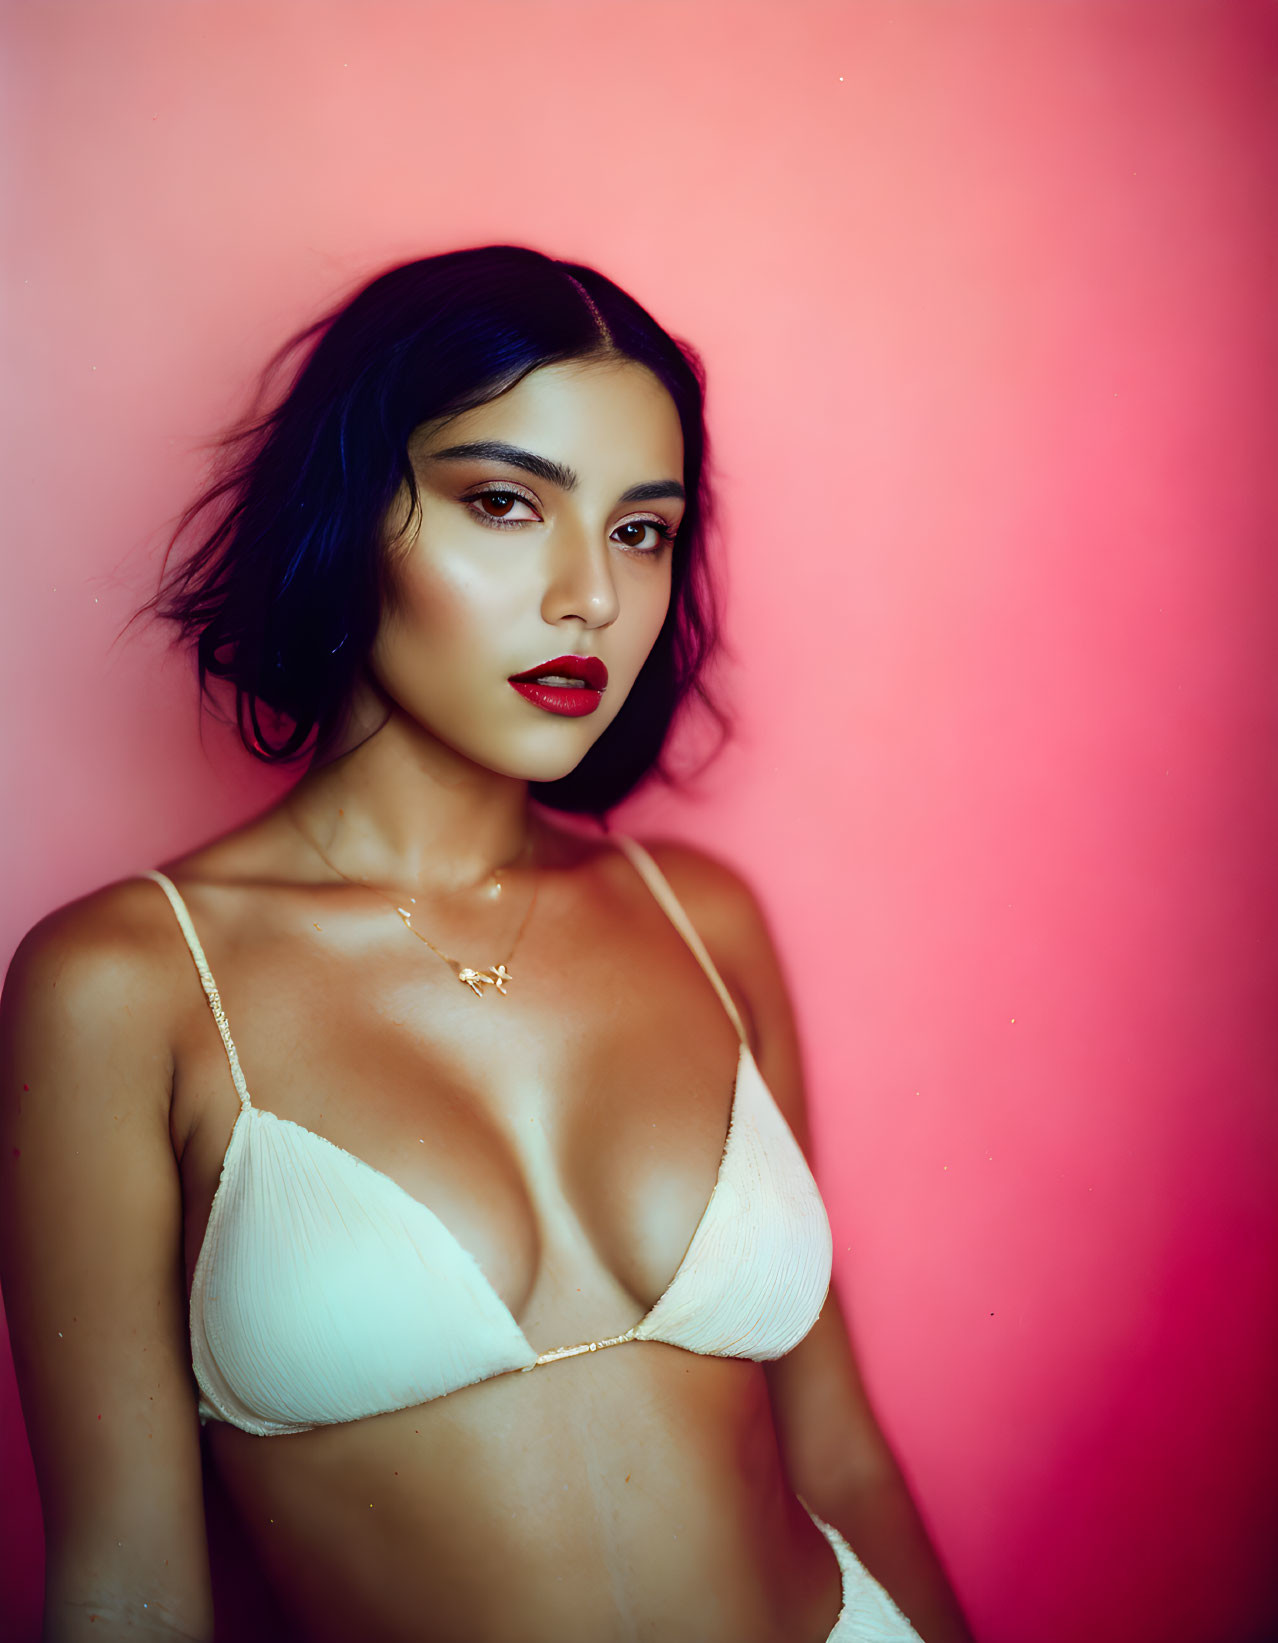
{"x":543,"y":537}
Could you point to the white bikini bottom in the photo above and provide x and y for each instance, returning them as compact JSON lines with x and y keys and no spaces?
{"x":868,"y":1614}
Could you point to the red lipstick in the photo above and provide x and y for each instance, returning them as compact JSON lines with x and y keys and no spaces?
{"x":570,"y":686}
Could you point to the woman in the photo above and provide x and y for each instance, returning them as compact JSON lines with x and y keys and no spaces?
{"x":419,"y":1219}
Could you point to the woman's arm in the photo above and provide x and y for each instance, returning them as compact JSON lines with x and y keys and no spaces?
{"x":92,"y":1271}
{"x":839,"y":1461}
{"x":835,"y":1453}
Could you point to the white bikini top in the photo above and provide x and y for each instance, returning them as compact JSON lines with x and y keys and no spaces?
{"x":324,"y":1292}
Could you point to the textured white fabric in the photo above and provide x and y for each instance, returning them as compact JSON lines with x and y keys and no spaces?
{"x":324,"y":1292}
{"x":758,"y":1267}
{"x":868,"y":1614}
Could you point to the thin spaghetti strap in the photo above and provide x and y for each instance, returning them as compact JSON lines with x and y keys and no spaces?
{"x":206,"y":979}
{"x":657,"y":882}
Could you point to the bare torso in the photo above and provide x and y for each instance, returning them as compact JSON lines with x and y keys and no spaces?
{"x":569,"y":1135}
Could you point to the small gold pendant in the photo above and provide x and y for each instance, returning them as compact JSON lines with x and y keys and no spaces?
{"x":496,"y":975}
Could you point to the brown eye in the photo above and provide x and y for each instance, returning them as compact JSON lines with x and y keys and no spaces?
{"x":493,"y":508}
{"x":637,"y":528}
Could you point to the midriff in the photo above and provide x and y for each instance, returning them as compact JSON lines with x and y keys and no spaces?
{"x":633,"y":1493}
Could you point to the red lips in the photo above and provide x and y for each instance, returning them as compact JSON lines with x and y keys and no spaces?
{"x":571,"y":701}
{"x":589,"y":669}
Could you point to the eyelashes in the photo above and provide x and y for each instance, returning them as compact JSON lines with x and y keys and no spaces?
{"x":509,"y":495}
{"x":497,"y":494}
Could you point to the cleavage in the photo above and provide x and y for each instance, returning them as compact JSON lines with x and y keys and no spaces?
{"x":576,"y":1181}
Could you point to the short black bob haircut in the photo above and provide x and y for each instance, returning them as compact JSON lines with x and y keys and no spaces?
{"x":282,"y":593}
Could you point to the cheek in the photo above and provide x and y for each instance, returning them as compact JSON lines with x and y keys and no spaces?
{"x":443,"y":606}
{"x":650,"y":604}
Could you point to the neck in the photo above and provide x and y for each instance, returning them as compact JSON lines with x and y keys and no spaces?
{"x":402,"y":809}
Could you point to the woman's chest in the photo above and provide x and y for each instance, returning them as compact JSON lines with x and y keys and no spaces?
{"x":567,"y":1135}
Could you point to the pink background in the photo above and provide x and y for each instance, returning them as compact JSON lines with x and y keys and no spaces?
{"x":987,"y":299}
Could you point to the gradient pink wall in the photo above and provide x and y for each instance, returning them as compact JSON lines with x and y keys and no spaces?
{"x":987,"y":299}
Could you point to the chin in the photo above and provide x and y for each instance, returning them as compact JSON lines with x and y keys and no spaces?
{"x":544,"y":769}
{"x":532,"y":759}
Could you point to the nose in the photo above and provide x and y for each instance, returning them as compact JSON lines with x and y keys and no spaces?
{"x":580,"y":584}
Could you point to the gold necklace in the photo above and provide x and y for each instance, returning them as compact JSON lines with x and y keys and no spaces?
{"x":495,"y":976}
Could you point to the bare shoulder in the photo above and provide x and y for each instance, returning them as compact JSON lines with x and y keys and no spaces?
{"x":98,"y":969}
{"x":727,"y":915}
{"x":112,"y":936}
{"x":120,"y":948}
{"x":717,"y":898}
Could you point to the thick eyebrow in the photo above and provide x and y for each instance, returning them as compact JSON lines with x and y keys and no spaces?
{"x":496,"y":450}
{"x":654,"y":491}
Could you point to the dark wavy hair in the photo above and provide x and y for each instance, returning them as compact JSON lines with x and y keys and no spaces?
{"x":282,"y":591}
